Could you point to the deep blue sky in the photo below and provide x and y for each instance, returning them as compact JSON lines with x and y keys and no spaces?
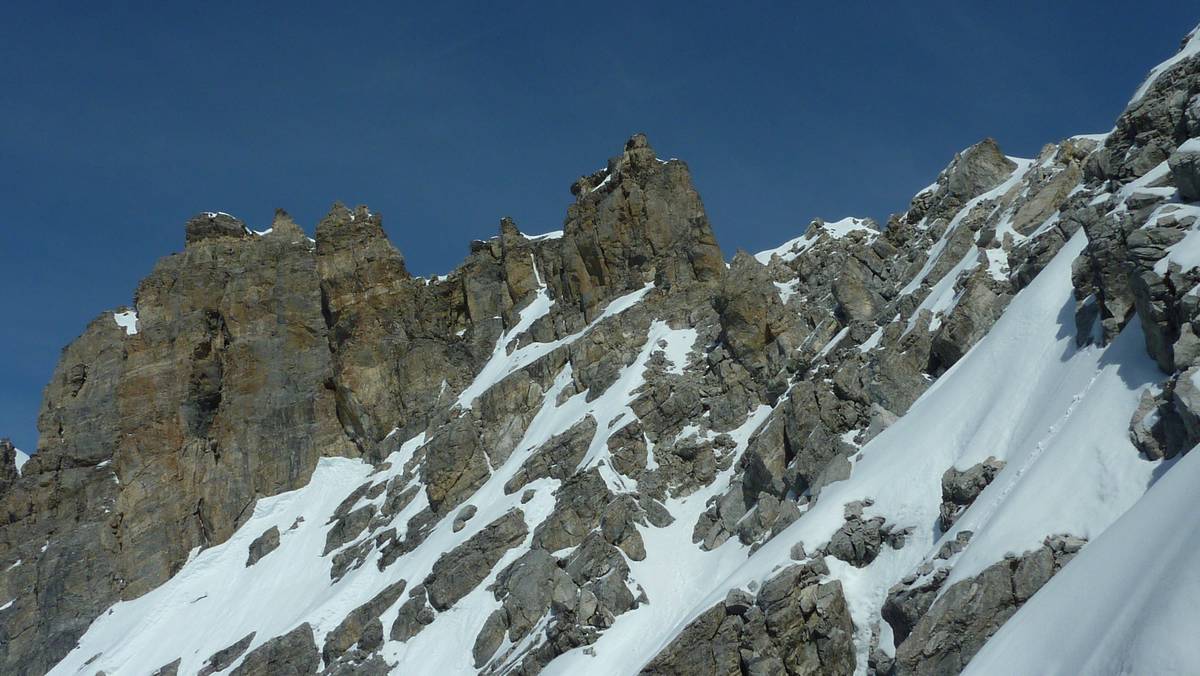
{"x":117,"y":125}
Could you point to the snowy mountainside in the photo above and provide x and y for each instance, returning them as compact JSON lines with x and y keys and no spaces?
{"x":908,"y":449}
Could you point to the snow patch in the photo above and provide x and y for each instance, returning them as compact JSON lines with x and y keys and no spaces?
{"x":787,"y":289}
{"x":504,"y":363}
{"x":127,"y":320}
{"x":789,"y":250}
{"x":21,"y":458}
{"x":1186,"y":252}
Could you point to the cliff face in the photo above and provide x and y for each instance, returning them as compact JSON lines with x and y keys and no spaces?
{"x":607,"y":449}
{"x":251,"y":355}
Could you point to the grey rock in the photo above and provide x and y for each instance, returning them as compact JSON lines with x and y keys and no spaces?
{"x":413,"y":616}
{"x":1185,"y":169}
{"x":292,"y":654}
{"x":354,"y":627}
{"x":489,"y":639}
{"x":213,"y":226}
{"x":961,"y":487}
{"x":557,"y":458}
{"x":8,"y":465}
{"x":464,"y":515}
{"x":738,"y":602}
{"x":224,"y":658}
{"x":859,"y":540}
{"x":637,"y":218}
{"x":797,"y":626}
{"x":348,"y":527}
{"x":951,"y":630}
{"x":578,"y":507}
{"x":461,"y":569}
{"x":263,"y":544}
{"x":455,"y":464}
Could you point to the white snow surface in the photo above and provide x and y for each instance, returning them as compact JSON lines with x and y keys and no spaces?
{"x":1186,"y":252}
{"x":1126,"y":604}
{"x":21,"y":458}
{"x":504,"y":363}
{"x":970,"y":260}
{"x":128,"y":320}
{"x":215,"y":599}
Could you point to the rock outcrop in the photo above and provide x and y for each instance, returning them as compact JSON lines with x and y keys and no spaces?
{"x":966,"y":614}
{"x":794,"y":625}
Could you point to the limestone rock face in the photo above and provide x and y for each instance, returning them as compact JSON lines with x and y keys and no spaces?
{"x":225,"y":658}
{"x":973,"y":172}
{"x":219,"y":397}
{"x":752,"y":316}
{"x":1153,"y":125}
{"x":796,"y":625}
{"x":392,"y":337}
{"x":1185,"y":169}
{"x":211,"y":225}
{"x":961,"y":487}
{"x":635,"y":221}
{"x":292,"y":654}
{"x":62,"y":501}
{"x":859,"y":539}
{"x":263,"y":545}
{"x":358,"y":626}
{"x":8,"y":465}
{"x":210,"y":349}
{"x":458,"y":571}
{"x":956,"y":626}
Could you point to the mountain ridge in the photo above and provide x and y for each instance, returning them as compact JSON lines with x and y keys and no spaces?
{"x":541,"y":454}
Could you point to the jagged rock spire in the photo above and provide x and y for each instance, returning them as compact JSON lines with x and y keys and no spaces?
{"x":636,"y":221}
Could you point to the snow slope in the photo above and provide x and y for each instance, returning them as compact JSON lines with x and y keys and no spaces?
{"x":1126,"y":605}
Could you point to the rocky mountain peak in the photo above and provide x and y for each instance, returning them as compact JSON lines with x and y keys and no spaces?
{"x":358,"y":234}
{"x":971,"y":173}
{"x":1163,"y":113}
{"x":283,"y":227}
{"x":978,"y":169}
{"x":508,"y":229}
{"x":637,"y":221}
{"x":214,"y":225}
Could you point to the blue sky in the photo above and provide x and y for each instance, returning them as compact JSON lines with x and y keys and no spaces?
{"x":116,"y":125}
